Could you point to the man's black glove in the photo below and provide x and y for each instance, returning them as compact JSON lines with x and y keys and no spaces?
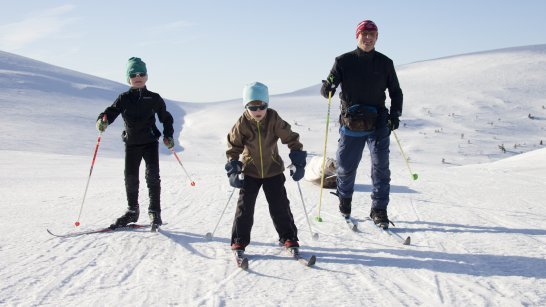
{"x":298,"y":160}
{"x":327,"y":87}
{"x":233,"y":169}
{"x":393,"y":122}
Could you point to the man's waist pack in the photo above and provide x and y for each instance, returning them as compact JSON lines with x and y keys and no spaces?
{"x":359,"y":117}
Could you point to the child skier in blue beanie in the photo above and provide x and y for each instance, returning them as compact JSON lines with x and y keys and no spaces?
{"x":255,"y":136}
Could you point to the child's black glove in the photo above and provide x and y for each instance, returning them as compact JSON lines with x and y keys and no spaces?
{"x":233,"y":169}
{"x":298,"y":160}
{"x":235,"y":181}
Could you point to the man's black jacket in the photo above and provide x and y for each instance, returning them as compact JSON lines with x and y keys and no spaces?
{"x":138,"y":108}
{"x":364,"y":77}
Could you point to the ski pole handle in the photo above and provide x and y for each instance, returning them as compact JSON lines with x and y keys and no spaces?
{"x":291,"y":168}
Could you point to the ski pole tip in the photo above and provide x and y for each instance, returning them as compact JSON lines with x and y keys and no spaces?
{"x":192,"y":183}
{"x":414,"y":176}
{"x":319,"y":219}
{"x":77,"y":224}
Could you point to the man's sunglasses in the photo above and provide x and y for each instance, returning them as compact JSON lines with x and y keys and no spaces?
{"x":138,"y":74}
{"x":256,"y":108}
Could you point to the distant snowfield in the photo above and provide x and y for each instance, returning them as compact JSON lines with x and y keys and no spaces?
{"x":477,"y":220}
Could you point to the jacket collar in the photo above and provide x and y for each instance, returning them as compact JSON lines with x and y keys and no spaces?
{"x":252,"y":120}
{"x":137,"y":92}
{"x":363,"y":53}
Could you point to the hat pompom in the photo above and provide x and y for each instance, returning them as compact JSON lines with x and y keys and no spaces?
{"x":255,"y":91}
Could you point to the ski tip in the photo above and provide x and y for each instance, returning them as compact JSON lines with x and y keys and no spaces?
{"x":312,"y":260}
{"x":244,"y":264}
{"x":407,"y":241}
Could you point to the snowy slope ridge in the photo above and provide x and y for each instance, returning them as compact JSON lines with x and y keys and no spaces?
{"x":479,"y":102}
{"x":477,"y":220}
{"x":61,"y":104}
{"x":472,"y":104}
{"x":23,"y":74}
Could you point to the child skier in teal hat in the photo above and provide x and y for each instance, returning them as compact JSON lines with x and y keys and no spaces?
{"x":138,"y":107}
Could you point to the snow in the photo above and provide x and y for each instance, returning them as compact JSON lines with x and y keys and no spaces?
{"x":477,"y":220}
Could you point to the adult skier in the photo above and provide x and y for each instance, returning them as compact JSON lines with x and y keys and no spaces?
{"x":365,"y":75}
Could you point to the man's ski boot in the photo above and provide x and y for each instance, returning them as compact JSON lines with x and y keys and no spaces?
{"x":130,"y":216}
{"x":380,"y":218}
{"x":155,"y":220}
{"x":345,"y":207}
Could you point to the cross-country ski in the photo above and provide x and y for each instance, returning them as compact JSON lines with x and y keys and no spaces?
{"x":97,"y":231}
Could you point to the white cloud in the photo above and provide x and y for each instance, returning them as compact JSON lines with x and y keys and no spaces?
{"x":36,"y":26}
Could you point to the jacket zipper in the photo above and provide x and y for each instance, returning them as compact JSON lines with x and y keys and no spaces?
{"x":260,"y":145}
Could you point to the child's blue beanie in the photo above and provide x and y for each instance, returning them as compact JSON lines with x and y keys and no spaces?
{"x":255,"y":91}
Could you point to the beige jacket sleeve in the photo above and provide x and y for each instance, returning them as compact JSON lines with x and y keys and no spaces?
{"x":235,"y":141}
{"x":286,"y":135}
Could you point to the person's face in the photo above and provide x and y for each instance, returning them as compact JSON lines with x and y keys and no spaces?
{"x":138,"y":80}
{"x":257,"y":109}
{"x":366,"y":40}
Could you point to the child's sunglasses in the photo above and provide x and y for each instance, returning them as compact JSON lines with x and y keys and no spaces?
{"x":138,"y":74}
{"x":256,"y":108}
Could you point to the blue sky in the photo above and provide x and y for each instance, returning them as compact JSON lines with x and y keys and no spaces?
{"x":203,"y":51}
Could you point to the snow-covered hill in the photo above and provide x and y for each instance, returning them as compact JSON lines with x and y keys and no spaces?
{"x":477,"y":220}
{"x":51,"y":109}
